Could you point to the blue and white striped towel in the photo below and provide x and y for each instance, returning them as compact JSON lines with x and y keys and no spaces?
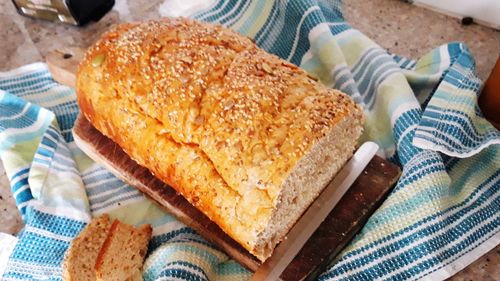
{"x":443,"y":213}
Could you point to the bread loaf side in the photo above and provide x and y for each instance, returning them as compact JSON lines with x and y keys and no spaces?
{"x":246,"y":137}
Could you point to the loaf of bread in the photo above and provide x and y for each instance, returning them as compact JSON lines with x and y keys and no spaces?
{"x":246,"y":137}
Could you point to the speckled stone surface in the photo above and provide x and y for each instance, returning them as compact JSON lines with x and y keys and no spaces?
{"x":413,"y":31}
{"x":10,"y":220}
{"x":401,"y":28}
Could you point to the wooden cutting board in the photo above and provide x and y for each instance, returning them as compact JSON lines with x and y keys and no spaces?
{"x":345,"y":220}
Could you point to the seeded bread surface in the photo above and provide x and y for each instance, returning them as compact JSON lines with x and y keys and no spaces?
{"x":246,"y":137}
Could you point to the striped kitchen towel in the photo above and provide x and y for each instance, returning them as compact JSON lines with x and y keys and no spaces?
{"x":442,"y":215}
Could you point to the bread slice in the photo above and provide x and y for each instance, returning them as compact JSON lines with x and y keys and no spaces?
{"x":122,"y":254}
{"x":246,"y":137}
{"x":82,"y":254}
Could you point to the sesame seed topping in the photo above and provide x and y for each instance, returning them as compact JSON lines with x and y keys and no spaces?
{"x":210,"y":87}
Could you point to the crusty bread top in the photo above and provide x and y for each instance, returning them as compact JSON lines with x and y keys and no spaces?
{"x":252,"y":113}
{"x":212,"y":94}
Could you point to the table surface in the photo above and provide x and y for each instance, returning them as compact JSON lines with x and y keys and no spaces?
{"x":395,"y":25}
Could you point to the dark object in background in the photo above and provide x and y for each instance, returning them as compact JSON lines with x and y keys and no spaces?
{"x":74,"y":12}
{"x":467,"y":21}
{"x":489,"y":100}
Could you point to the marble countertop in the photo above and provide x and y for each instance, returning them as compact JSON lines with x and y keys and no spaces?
{"x":395,"y":25}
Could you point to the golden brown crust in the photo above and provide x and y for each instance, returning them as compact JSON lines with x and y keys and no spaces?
{"x":105,"y":245}
{"x":208,"y":112}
